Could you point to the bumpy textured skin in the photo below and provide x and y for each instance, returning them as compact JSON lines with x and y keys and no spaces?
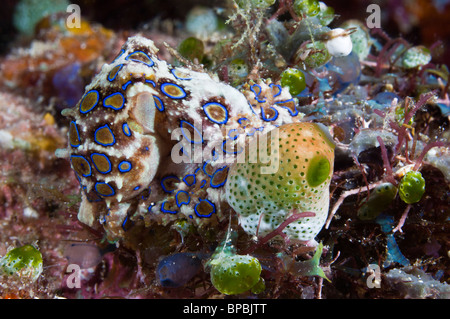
{"x":130,"y":136}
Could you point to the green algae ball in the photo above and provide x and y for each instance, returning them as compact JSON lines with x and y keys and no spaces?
{"x":294,"y":80}
{"x":318,"y":56}
{"x":237,"y":71}
{"x":25,"y":261}
{"x":412,"y":187}
{"x":416,"y":56}
{"x":192,"y":48}
{"x":379,"y":200}
{"x":236,"y":274}
{"x":310,"y":8}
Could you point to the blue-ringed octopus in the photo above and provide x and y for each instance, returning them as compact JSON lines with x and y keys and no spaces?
{"x":152,"y":142}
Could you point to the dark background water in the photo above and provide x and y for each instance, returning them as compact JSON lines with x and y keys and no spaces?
{"x":419,"y":22}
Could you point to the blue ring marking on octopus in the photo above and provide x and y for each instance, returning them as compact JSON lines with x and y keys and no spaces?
{"x":118,"y":56}
{"x":195,"y":129}
{"x":112,"y":192}
{"x":124,"y":166}
{"x":203,"y":168}
{"x":290,"y":111}
{"x":124,"y":222}
{"x":210,"y":203}
{"x":92,"y":197}
{"x":273,"y":118}
{"x":108,"y":170}
{"x":78,"y":134}
{"x":173,"y":71}
{"x":164,"y":187}
{"x":212,"y":178}
{"x":252,"y":88}
{"x":185,"y":180}
{"x":151,"y":82}
{"x":136,"y":188}
{"x":215,"y":155}
{"x":257,"y":93}
{"x":126,"y":129}
{"x":235,"y":136}
{"x":242,"y":119}
{"x":111,"y":106}
{"x":164,"y":210}
{"x":158,"y":103}
{"x":86,"y":163}
{"x":110,"y":132}
{"x":93,"y":104}
{"x":224,"y":148}
{"x":252,"y":132}
{"x":251,"y":108}
{"x":203,"y":184}
{"x":224,"y":109}
{"x":180,"y":95}
{"x":150,"y":63}
{"x":124,"y":87}
{"x":179,"y":203}
{"x":110,"y":79}
{"x":271,"y":85}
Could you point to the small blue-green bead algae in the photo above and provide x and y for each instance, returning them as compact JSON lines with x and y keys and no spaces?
{"x":412,"y":187}
{"x":235,"y":274}
{"x":192,"y":48}
{"x":24,"y":261}
{"x":309,"y":8}
{"x":294,"y":80}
